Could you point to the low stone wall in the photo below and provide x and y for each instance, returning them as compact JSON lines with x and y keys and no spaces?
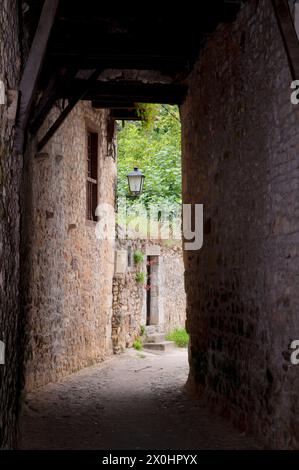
{"x":68,"y":272}
{"x":127,"y":308}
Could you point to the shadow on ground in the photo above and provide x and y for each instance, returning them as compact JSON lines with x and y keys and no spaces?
{"x":132,"y":401}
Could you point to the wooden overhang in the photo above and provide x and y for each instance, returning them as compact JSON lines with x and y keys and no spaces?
{"x":116,"y":55}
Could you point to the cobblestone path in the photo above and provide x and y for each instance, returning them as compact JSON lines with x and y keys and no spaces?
{"x":132,"y":401}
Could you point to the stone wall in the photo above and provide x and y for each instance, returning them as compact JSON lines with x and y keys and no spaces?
{"x":68,"y":271}
{"x":10,"y":176}
{"x":128,"y":301}
{"x":240,"y":159}
{"x":173,"y":289}
{"x":129,"y":297}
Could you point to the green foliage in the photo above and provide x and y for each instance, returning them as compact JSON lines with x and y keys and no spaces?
{"x":156,"y":151}
{"x":148,"y":112}
{"x":142,"y":330}
{"x":137,"y":345}
{"x":140,"y":277}
{"x":138,"y":257}
{"x":180,"y":337}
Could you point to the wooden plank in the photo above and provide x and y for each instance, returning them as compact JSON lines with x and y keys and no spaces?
{"x":108,"y":104}
{"x":45,"y":104}
{"x":288,"y":33}
{"x":125,"y":115}
{"x":33,"y":68}
{"x":76,"y":98}
{"x":49,"y":97}
{"x":165,"y":64}
{"x":136,"y":92}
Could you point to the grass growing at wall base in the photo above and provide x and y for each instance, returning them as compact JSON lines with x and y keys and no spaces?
{"x":179,"y":336}
{"x":138,"y":345}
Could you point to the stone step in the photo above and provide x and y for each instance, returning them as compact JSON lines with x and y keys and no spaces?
{"x":155,"y":338}
{"x":164,"y":346}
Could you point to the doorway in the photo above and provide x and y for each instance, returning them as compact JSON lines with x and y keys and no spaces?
{"x":148,"y":292}
{"x":152,"y":292}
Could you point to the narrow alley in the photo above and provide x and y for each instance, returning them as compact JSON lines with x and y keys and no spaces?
{"x":149,"y":195}
{"x":132,"y":401}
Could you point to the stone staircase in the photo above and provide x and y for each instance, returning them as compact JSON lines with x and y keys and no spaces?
{"x":155,"y":341}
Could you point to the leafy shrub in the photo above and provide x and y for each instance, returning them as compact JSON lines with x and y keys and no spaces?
{"x":137,"y":345}
{"x":140,"y":278}
{"x":179,"y":336}
{"x":138,"y":257}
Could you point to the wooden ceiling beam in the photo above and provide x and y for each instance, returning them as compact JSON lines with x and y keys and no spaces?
{"x":33,"y":67}
{"x":49,"y":97}
{"x":125,"y":115}
{"x":79,"y":95}
{"x":136,"y":92}
{"x":288,"y":33}
{"x":108,"y":104}
{"x":120,"y":62}
{"x":45,"y":104}
{"x":108,"y":49}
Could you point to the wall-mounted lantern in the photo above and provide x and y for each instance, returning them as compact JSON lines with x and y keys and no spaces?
{"x":135,"y":180}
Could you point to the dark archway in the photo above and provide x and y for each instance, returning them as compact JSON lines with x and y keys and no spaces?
{"x":240,"y":145}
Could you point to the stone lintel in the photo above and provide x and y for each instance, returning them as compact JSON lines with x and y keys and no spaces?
{"x":153,"y":250}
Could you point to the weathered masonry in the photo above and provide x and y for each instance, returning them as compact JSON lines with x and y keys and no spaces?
{"x":79,"y":67}
{"x":68,"y":282}
{"x":240,"y":147}
{"x":10,"y":179}
{"x":159,"y":302}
